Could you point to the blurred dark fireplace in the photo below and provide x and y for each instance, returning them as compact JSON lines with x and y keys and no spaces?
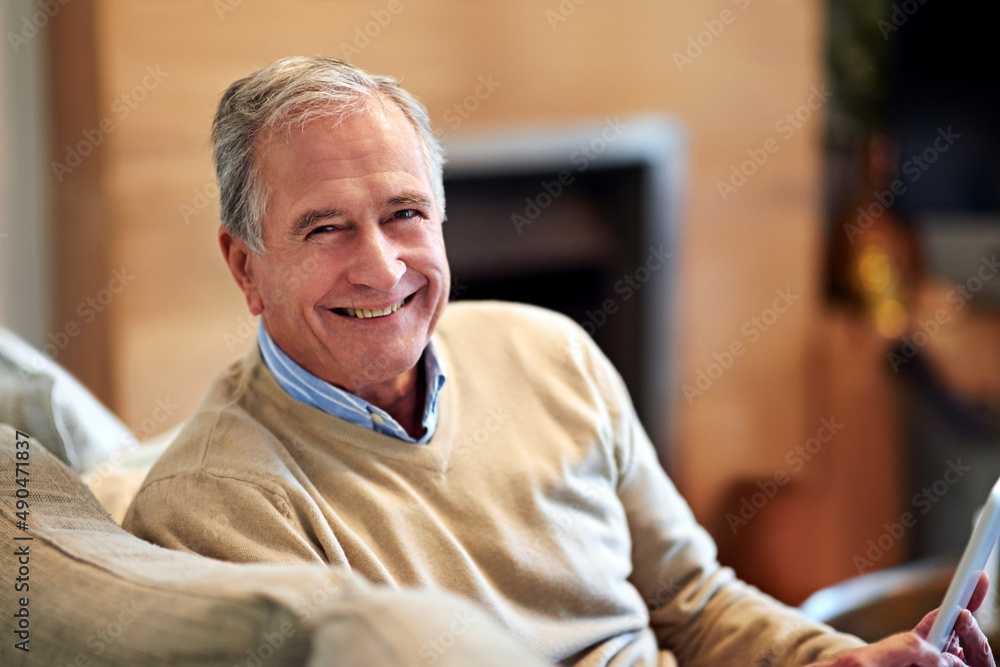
{"x":582,"y":221}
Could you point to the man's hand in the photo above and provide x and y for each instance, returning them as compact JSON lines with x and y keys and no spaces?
{"x":968,"y":644}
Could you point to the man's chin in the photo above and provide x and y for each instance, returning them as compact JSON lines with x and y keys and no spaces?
{"x":386,"y":369}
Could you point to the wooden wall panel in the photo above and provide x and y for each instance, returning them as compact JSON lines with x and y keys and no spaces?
{"x":82,"y":335}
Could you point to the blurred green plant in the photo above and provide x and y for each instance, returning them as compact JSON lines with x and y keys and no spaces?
{"x":857,"y":55}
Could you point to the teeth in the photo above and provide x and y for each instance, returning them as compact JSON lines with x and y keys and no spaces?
{"x":366,"y":313}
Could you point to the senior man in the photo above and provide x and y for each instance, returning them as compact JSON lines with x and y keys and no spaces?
{"x":485,"y":449}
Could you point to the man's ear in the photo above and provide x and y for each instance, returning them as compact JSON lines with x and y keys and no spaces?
{"x":240,"y":260}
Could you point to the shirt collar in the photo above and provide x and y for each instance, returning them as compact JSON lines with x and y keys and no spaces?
{"x":311,"y":390}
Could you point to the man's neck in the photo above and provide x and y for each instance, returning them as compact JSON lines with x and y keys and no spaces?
{"x":403,"y":399}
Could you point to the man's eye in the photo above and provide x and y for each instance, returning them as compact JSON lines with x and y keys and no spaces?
{"x":323,"y":229}
{"x":406,"y":214}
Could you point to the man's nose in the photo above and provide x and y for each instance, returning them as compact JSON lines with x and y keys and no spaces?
{"x":377,"y":263}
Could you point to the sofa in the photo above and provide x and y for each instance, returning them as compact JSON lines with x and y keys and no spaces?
{"x":81,"y":591}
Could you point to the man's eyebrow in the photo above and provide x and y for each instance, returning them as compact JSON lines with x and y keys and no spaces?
{"x":309,"y":218}
{"x":409,"y":198}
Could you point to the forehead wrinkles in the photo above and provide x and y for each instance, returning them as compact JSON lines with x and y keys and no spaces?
{"x":282,"y":125}
{"x":283,"y":121}
{"x":390,"y":140}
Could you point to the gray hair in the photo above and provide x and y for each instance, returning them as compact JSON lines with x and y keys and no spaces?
{"x":288,"y":93}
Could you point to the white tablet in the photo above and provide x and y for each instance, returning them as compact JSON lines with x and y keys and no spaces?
{"x":977,"y":551}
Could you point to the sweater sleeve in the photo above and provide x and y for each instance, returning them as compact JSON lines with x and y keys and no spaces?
{"x":219,"y":517}
{"x":698,"y":609}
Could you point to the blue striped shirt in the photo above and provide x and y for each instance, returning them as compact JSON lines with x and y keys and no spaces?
{"x":306,"y":387}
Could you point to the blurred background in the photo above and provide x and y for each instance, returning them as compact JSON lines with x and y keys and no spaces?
{"x":781,"y":219}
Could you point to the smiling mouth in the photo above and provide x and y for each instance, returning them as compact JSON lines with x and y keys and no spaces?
{"x":368,"y":313}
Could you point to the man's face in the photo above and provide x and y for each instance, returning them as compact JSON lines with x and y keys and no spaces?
{"x":352,"y":230}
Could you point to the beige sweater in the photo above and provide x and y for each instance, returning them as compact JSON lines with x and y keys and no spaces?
{"x":539,"y":497}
